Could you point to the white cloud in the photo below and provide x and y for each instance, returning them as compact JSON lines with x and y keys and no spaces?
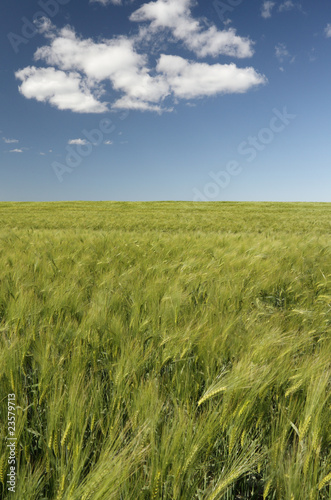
{"x":328,"y":30}
{"x":283,"y":54}
{"x":97,"y":60}
{"x":108,"y":143}
{"x":175,"y":15}
{"x":116,"y":60}
{"x":267,"y":8}
{"x":78,"y":69}
{"x":64,"y":90}
{"x":78,"y":142}
{"x":288,"y":5}
{"x":107,"y":2}
{"x":16,"y":151}
{"x":127,"y":102}
{"x":9,"y":141}
{"x":42,"y":154}
{"x":190,"y":80}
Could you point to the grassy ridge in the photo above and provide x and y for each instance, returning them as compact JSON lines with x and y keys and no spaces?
{"x":167,"y":350}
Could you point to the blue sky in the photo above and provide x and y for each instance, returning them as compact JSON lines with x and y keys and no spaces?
{"x":165,"y":100}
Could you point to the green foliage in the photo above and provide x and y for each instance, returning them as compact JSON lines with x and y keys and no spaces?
{"x":172,"y":351}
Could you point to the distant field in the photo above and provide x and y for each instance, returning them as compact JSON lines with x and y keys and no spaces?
{"x":175,"y":351}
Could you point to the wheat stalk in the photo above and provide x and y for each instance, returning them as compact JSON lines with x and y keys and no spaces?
{"x":324,"y":481}
{"x":233,"y":437}
{"x":305,"y":428}
{"x":190,"y":458}
{"x":224,"y":484}
{"x":293,"y":389}
{"x":267,"y":489}
{"x":157,"y":485}
{"x":2,"y":469}
{"x":211,"y":394}
{"x":66,"y":433}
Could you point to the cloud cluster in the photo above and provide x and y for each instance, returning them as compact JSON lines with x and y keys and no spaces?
{"x":283,"y":55}
{"x":9,"y":141}
{"x":106,"y":2}
{"x":78,"y":69}
{"x":281,"y":52}
{"x":190,"y":80}
{"x":12,"y":141}
{"x":288,"y":5}
{"x":328,"y":30}
{"x":78,"y":142}
{"x":64,"y":90}
{"x":268,"y":6}
{"x":175,"y":16}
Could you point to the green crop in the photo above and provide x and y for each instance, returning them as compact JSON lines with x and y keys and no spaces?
{"x":172,"y":351}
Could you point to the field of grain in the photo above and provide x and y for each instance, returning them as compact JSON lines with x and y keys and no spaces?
{"x":174,"y":351}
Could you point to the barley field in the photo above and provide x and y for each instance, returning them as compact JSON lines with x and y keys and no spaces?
{"x":174,"y":351}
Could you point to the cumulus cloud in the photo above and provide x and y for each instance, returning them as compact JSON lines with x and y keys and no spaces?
{"x":289,"y":5}
{"x":175,"y":15}
{"x":190,"y":80}
{"x":78,"y":142}
{"x":9,"y":141}
{"x":328,"y":30}
{"x":64,"y":90}
{"x":267,"y":9}
{"x":16,"y":151}
{"x":268,"y":6}
{"x":127,"y":102}
{"x":283,"y":54}
{"x":107,"y":2}
{"x":78,"y":69}
{"x":97,"y":60}
{"x":116,"y":60}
